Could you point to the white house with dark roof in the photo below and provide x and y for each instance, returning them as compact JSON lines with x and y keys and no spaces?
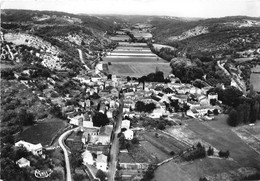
{"x":34,"y":149}
{"x":87,"y":157}
{"x":101,"y":162}
{"x":129,"y":134}
{"x":23,"y":162}
{"x":125,"y":124}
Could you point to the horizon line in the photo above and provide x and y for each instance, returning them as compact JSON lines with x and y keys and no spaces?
{"x":120,"y":14}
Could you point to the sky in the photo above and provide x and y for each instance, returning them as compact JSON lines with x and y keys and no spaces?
{"x":180,"y":8}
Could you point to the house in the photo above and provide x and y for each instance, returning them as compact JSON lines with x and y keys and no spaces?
{"x":212,"y":96}
{"x":87,"y":158}
{"x":105,"y":134}
{"x":23,"y":162}
{"x":125,"y":124}
{"x":34,"y":149}
{"x":114,"y":78}
{"x":109,"y":114}
{"x":88,"y":134}
{"x":126,"y":109}
{"x":102,"y":108}
{"x":87,"y":124}
{"x":77,"y":120}
{"x":101,"y":162}
{"x":157,"y":113}
{"x":129,"y":134}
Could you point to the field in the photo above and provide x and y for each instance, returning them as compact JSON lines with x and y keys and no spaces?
{"x":135,"y":59}
{"x":255,"y":77}
{"x":222,"y":137}
{"x":4,"y":66}
{"x":251,"y":135}
{"x":138,"y":69}
{"x":154,"y":151}
{"x":42,"y":132}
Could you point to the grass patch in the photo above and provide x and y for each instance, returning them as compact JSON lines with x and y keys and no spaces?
{"x":220,"y":135}
{"x":42,"y":132}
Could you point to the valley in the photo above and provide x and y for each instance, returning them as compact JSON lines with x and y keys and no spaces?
{"x":129,"y":97}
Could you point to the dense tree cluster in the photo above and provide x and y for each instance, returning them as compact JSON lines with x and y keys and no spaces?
{"x":156,"y":123}
{"x":149,"y":174}
{"x":142,"y":107}
{"x":100,"y":119}
{"x":230,"y":96}
{"x":26,"y":118}
{"x":153,"y":77}
{"x":101,"y":175}
{"x":56,"y":111}
{"x":186,"y":70}
{"x":223,"y":154}
{"x":199,"y":152}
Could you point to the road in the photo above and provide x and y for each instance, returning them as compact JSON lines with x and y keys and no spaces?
{"x":115,"y":144}
{"x":81,"y":59}
{"x":66,"y":155}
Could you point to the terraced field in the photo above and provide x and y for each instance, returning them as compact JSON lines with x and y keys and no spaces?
{"x":135,"y":60}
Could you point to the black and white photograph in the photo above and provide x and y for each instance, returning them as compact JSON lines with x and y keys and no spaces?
{"x":130,"y":90}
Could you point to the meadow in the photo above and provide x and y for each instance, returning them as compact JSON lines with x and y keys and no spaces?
{"x":138,"y":69}
{"x":42,"y":132}
{"x":255,"y":78}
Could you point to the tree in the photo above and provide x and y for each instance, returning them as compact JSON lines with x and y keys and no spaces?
{"x":76,"y":159}
{"x":215,"y":112}
{"x":101,"y":175}
{"x":21,"y":152}
{"x":100,"y":119}
{"x":78,"y":177}
{"x":231,"y":96}
{"x":128,"y":78}
{"x":233,"y":118}
{"x":161,"y":126}
{"x":26,"y":118}
{"x":109,"y":76}
{"x":135,"y":140}
{"x":255,"y":112}
{"x":139,"y":106}
{"x":56,"y":111}
{"x":210,"y":151}
{"x":149,"y":174}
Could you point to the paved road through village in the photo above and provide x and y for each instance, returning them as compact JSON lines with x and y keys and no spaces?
{"x":115,"y":144}
{"x":66,"y":155}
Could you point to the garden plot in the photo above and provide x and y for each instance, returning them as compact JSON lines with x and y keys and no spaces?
{"x":250,"y":135}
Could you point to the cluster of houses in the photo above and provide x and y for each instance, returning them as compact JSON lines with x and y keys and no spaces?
{"x":35,"y":149}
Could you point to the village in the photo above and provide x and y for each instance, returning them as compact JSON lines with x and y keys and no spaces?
{"x":119,"y":112}
{"x":95,"y":123}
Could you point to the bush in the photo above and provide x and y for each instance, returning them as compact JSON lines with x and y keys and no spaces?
{"x":161,"y":126}
{"x":101,"y":175}
{"x":26,"y":118}
{"x":215,"y":112}
{"x":210,"y":151}
{"x":223,"y":154}
{"x":135,"y":140}
{"x":199,"y":152}
{"x":172,"y":153}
